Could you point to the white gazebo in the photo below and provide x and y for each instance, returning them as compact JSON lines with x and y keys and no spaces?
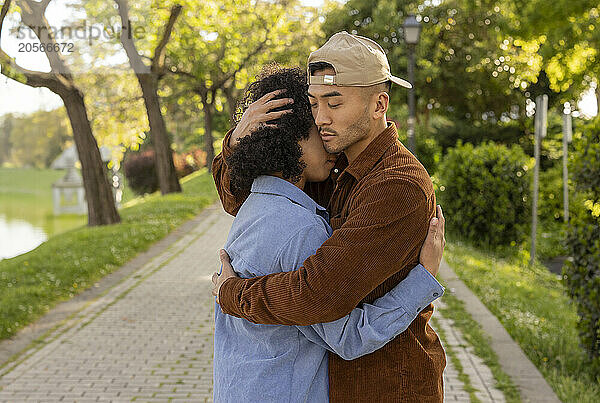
{"x":68,"y":193}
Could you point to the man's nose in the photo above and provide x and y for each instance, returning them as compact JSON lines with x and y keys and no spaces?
{"x":321,"y":117}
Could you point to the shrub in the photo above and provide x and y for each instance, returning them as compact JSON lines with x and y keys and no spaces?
{"x":550,"y":199}
{"x":485,"y":192}
{"x":140,"y":169}
{"x":183,"y":166}
{"x":582,"y":271}
{"x":140,"y":172}
{"x":551,"y":236}
{"x":428,"y":151}
{"x":449,"y":133}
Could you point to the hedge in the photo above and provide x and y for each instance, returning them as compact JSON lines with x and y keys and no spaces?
{"x":485,"y":192}
{"x":582,"y":271}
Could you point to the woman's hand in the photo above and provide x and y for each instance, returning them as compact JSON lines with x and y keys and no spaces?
{"x":433,"y":247}
{"x":258,"y":113}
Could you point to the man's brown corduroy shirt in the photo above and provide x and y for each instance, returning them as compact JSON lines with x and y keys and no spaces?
{"x":380,"y":207}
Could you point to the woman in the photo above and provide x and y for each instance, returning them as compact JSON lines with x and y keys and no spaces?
{"x":278,"y":227}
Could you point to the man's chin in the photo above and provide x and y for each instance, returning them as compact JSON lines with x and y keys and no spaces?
{"x":332,"y":148}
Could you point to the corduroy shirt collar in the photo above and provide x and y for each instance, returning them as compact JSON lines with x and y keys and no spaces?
{"x":367,"y":159}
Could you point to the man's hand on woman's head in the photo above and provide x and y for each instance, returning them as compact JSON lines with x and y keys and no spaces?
{"x":433,"y":247}
{"x":258,"y":114}
{"x":227,"y":272}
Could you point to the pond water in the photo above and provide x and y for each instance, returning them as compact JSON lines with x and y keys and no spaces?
{"x":18,"y":236}
{"x":26,"y":212}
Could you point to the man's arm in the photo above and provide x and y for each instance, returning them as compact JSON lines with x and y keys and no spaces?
{"x":231,"y":203}
{"x":371,"y":326}
{"x":367,"y":249}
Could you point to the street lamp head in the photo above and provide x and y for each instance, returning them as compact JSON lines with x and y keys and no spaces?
{"x":412,"y":29}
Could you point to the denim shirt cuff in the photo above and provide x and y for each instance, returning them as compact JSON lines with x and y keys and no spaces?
{"x":417,"y":290}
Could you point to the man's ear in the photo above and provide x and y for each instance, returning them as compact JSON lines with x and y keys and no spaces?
{"x":382,"y":102}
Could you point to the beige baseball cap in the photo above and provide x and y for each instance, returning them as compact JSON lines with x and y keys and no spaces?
{"x":357,"y":61}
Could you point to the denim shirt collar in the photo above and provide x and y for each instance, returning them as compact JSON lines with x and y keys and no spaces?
{"x":268,"y":184}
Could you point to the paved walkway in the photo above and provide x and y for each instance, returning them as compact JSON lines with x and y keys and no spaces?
{"x":532,"y":386}
{"x":479,"y":374}
{"x":149,"y":338}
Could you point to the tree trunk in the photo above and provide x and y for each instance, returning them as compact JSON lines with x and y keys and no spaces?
{"x":231,"y":101}
{"x":208,"y":138}
{"x":598,"y":97}
{"x":98,"y":191}
{"x":148,"y":77}
{"x":165,"y":168}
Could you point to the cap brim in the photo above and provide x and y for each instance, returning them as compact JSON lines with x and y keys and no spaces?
{"x":400,"y":82}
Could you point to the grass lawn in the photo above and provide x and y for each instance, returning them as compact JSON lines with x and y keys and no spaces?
{"x":532,"y":306}
{"x":26,"y":194}
{"x":32,"y":283}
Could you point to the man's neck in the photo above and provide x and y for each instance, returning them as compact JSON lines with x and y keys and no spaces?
{"x":300,"y":184}
{"x":355,"y":149}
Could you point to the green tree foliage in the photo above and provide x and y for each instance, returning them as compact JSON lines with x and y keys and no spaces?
{"x":428,"y":149}
{"x":466,"y":68}
{"x":582,"y":273}
{"x":116,"y":109}
{"x":235,"y":39}
{"x":568,"y":37}
{"x":216,"y":49}
{"x":485,"y":190}
{"x":37,"y":139}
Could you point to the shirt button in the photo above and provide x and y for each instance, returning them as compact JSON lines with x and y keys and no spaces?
{"x":435,"y":294}
{"x":335,"y":170}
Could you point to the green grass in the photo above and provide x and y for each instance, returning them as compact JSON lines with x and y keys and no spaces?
{"x":532,"y":306}
{"x":550,"y":240}
{"x":480,"y":342}
{"x":28,"y":180}
{"x":66,"y":264}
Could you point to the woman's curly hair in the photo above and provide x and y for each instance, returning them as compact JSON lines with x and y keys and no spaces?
{"x":269,"y":150}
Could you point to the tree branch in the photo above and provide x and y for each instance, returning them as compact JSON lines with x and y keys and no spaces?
{"x":57,"y":83}
{"x":202,"y":91}
{"x":135,"y":60}
{"x":232,"y":75}
{"x":183,"y":73}
{"x":159,"y":52}
{"x":44,"y":4}
{"x":3,"y":13}
{"x":220,"y":83}
{"x":10,"y":68}
{"x":177,"y":94}
{"x":32,"y":15}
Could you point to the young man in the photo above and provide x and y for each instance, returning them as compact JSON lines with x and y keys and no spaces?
{"x":380,"y":200}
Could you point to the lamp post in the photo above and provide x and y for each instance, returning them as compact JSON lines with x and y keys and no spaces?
{"x":567,"y":138}
{"x":412,"y":29}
